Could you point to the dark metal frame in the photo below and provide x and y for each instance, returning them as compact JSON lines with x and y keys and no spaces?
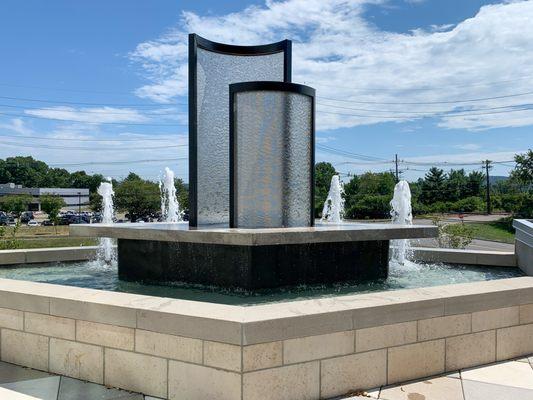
{"x":267,"y":86}
{"x":196,"y":42}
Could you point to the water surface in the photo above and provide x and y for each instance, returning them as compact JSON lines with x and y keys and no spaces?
{"x":94,"y":275}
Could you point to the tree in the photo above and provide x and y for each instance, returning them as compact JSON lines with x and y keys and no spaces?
{"x":16,"y":204}
{"x":51,"y":205}
{"x":324,"y":171}
{"x":182,"y":193}
{"x":29,"y":172}
{"x":80,"y":179}
{"x":523,"y":171}
{"x":380,"y":183}
{"x":433,"y":185}
{"x":456,"y":185}
{"x":139,"y":198}
{"x":368,"y":195}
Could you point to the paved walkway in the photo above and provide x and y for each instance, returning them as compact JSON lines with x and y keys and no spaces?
{"x":508,"y":380}
{"x":477,"y":244}
{"x":18,"y":383}
{"x":501,"y":381}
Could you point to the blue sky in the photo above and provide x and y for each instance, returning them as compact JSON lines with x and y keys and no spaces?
{"x":391,"y":77}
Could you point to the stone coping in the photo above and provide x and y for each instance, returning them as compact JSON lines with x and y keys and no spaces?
{"x":46,"y":255}
{"x":180,"y":232}
{"x":245,"y":325}
{"x":469,"y":257}
{"x":524,"y":231}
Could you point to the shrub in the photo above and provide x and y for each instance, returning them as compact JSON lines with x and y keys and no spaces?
{"x":369,"y":206}
{"x":523,"y":208}
{"x":440,"y":207}
{"x":457,"y":236}
{"x":469,"y":204}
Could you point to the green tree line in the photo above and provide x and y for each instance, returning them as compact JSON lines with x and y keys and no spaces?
{"x":367,"y":195}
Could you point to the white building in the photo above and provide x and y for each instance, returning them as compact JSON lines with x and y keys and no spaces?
{"x":73,"y":197}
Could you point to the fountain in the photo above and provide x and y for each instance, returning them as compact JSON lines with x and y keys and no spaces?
{"x":333,"y":210}
{"x":251,"y":188}
{"x":401,"y":214}
{"x":170,"y":207}
{"x":106,"y":251}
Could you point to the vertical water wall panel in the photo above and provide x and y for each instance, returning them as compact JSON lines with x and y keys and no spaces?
{"x":272,"y":155}
{"x":212,"y":67}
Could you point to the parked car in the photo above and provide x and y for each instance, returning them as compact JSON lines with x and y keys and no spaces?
{"x":96,"y":218}
{"x":47,"y":223}
{"x":3,"y":218}
{"x":26,"y":217}
{"x":33,"y":223}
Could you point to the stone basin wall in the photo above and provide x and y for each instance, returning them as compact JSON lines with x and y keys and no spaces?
{"x":308,"y":349}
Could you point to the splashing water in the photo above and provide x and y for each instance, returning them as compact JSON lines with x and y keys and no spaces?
{"x":170,"y":207}
{"x":333,"y":210}
{"x":401,"y":213}
{"x":106,"y":251}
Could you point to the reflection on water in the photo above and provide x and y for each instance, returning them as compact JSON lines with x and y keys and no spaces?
{"x":91,"y":274}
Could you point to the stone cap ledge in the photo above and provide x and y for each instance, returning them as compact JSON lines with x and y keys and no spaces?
{"x":268,"y":322}
{"x":180,"y":232}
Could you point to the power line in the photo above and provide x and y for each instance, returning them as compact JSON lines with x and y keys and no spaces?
{"x":45,"y":146}
{"x":432,"y":102}
{"x":447,"y":87}
{"x":425,"y":112}
{"x":444,"y":163}
{"x":87,"y":103}
{"x":85,"y":140}
{"x":426,"y":116}
{"x":117,"y":162}
{"x":363,"y":163}
{"x":347,"y":153}
{"x":103,"y":112}
{"x":65,"y":89}
{"x":88,"y":122}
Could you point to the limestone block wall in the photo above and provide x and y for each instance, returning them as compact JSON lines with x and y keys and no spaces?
{"x":310,"y":349}
{"x":524,"y":244}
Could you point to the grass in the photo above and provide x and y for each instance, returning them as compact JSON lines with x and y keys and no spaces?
{"x":38,"y":237}
{"x":56,"y":242}
{"x":36,"y":231}
{"x":497,"y":231}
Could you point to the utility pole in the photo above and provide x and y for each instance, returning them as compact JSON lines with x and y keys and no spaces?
{"x":397,"y":173}
{"x":487,"y":166}
{"x":79,"y":207}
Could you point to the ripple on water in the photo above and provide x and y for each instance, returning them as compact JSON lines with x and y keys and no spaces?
{"x":97,"y":275}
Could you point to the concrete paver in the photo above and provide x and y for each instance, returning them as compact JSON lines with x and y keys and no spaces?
{"x":474,"y":390}
{"x":511,"y":373}
{"x":500,"y":381}
{"x":442,"y":388}
{"x":42,"y":388}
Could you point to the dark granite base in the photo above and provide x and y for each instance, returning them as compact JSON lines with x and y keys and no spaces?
{"x":252,"y":267}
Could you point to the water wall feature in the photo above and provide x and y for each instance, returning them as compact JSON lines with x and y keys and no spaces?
{"x":333,"y":210}
{"x":106,"y":251}
{"x":170,"y":207}
{"x":401,"y":213}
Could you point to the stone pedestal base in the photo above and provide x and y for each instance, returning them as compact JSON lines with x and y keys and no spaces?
{"x":252,"y":266}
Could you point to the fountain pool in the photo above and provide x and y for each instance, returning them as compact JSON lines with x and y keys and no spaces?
{"x":95,"y":275}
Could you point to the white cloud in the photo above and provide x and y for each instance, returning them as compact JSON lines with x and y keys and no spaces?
{"x":93,"y":115}
{"x":468,"y":146}
{"x":17,"y":125}
{"x":472,"y":157}
{"x":345,"y":57}
{"x":325,"y":139}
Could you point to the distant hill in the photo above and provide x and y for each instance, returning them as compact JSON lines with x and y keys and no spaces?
{"x":494,"y":179}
